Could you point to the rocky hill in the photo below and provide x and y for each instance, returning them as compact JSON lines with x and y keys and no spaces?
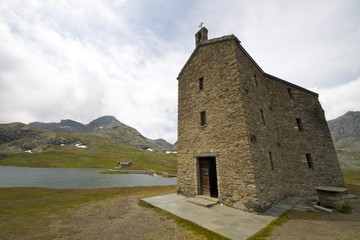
{"x":71,"y":126}
{"x":345,"y":127}
{"x":345,"y":131}
{"x":18,"y":137}
{"x":39,"y":135}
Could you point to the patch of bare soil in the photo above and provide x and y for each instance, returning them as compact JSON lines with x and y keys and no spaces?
{"x":320,"y":226}
{"x":120,"y":218}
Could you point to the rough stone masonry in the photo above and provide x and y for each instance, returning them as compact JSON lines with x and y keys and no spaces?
{"x":244,"y":136}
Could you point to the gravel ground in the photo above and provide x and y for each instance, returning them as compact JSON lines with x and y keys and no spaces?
{"x":121,"y":218}
{"x":320,"y":226}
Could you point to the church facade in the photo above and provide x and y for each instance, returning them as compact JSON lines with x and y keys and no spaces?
{"x":246,"y":137}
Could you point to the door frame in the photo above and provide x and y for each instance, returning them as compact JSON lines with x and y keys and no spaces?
{"x":213,"y":177}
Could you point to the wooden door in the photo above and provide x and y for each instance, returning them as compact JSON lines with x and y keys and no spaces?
{"x":208,"y":176}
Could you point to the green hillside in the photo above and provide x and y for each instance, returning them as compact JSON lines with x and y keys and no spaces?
{"x":348,"y":152}
{"x":100,"y":153}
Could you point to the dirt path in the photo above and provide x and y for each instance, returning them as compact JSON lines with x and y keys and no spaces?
{"x":121,"y":218}
{"x":320,"y":226}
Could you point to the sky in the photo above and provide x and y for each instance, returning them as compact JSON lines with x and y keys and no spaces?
{"x":83,"y":59}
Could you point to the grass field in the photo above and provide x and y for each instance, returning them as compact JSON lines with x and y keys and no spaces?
{"x":25,"y":210}
{"x":98,"y":154}
{"x":352,"y":180}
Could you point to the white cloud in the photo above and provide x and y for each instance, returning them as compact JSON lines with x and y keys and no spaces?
{"x":87,"y":58}
{"x":338,"y":100}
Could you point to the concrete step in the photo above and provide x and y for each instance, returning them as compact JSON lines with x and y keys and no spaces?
{"x":204,"y":201}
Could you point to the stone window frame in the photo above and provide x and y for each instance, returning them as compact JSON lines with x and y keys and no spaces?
{"x":309,"y":160}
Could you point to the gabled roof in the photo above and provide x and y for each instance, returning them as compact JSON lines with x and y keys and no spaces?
{"x":232,"y":37}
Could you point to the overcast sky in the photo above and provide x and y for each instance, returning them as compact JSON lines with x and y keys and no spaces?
{"x":83,"y":59}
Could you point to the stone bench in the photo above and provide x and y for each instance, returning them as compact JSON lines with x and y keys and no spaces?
{"x":331,"y":196}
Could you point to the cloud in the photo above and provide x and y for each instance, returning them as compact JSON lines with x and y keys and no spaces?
{"x":338,"y":100}
{"x":54,"y":68}
{"x":87,"y":58}
{"x":304,"y":42}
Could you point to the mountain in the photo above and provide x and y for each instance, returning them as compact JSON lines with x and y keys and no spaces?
{"x":107,"y":127}
{"x":164,"y":144}
{"x":19,"y":137}
{"x":345,"y":131}
{"x":120,"y":133}
{"x":345,"y":127}
{"x":71,"y":126}
{"x":102,"y":121}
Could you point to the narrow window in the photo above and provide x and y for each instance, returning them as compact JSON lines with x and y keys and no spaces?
{"x":202,"y":118}
{"x":290,"y":92}
{"x":252,"y":138}
{"x":271,"y":161}
{"x":299,"y":124}
{"x":255,"y":80}
{"x":309,"y":160}
{"x":201,"y":83}
{"x":262,"y":116}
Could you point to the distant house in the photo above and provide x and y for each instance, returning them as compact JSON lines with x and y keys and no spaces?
{"x":123,"y":165}
{"x":171,"y":152}
{"x":78,"y":145}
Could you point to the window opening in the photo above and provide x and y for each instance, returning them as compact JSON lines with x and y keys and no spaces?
{"x":202,"y":118}
{"x":271,"y":161}
{"x":291,"y":94}
{"x":252,"y":138}
{"x":255,"y":80}
{"x":309,"y":160}
{"x":262,"y":116}
{"x":201,"y":83}
{"x":299,"y":124}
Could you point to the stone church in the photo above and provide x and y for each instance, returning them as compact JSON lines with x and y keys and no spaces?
{"x":246,"y":137}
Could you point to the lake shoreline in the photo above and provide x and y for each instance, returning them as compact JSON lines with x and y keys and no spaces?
{"x":77,"y":178}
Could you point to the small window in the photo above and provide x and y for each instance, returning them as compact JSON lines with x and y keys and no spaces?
{"x":202,"y":118}
{"x":291,"y":94}
{"x":256,"y":81}
{"x":263,"y":116}
{"x":309,"y":160}
{"x":252,"y":138}
{"x":201,"y":83}
{"x":271,"y":161}
{"x":299,"y":124}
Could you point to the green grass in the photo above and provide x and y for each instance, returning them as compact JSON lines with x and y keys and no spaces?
{"x":346,"y":209}
{"x":27,"y":210}
{"x":265,"y":232}
{"x":195,"y":228}
{"x":352,"y":180}
{"x":99,"y":154}
{"x":113,"y":172}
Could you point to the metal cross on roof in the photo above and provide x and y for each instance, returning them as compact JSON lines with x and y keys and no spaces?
{"x":201,"y":24}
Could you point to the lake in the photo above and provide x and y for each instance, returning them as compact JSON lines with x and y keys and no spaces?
{"x":66,"y":178}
